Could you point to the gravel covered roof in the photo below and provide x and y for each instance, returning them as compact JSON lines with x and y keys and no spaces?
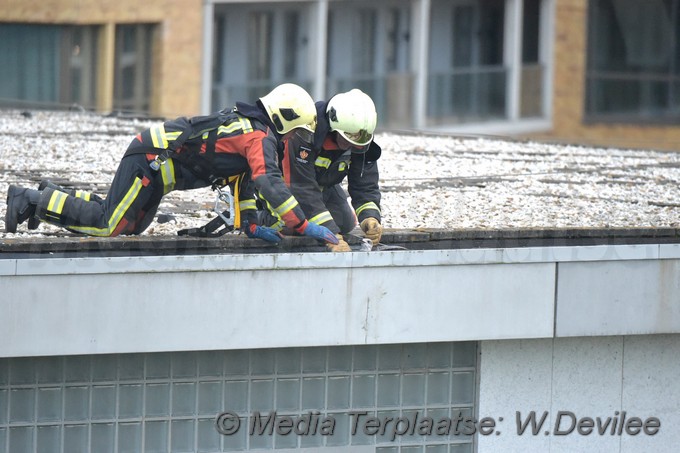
{"x":427,"y":181}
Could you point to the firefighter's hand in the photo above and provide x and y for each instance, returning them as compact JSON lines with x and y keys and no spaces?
{"x":341,"y":246}
{"x":372,"y":229}
{"x":264,"y":233}
{"x":317,"y":232}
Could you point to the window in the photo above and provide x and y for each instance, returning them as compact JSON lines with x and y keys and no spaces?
{"x":260,"y":46}
{"x":392,"y":40}
{"x":633,"y":72}
{"x":169,"y":401}
{"x":364,"y":45}
{"x":256,"y":48}
{"x":467,"y":73}
{"x":132,"y":76}
{"x":293,"y":41}
{"x":48,"y":65}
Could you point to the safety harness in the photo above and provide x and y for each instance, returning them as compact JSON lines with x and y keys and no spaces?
{"x":167,"y":144}
{"x":227,"y":220}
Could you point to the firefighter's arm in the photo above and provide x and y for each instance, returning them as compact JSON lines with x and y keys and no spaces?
{"x":263,"y":161}
{"x":299,"y":160}
{"x":364,"y":190}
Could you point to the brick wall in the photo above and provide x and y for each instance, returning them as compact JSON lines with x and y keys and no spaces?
{"x":177,"y":66}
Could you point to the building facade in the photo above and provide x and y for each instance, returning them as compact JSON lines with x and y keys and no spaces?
{"x":593,"y":71}
{"x":416,"y":351}
{"x":102,"y":56}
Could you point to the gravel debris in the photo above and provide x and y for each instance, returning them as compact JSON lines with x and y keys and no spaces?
{"x":443,"y":182}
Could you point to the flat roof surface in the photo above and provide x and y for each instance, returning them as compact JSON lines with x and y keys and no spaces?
{"x":434,"y":182}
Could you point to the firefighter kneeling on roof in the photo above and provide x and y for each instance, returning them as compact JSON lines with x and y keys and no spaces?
{"x":343,"y":148}
{"x":238,"y":146}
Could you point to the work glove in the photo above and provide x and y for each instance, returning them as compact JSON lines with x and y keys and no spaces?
{"x":372,"y":229}
{"x":261,"y":232}
{"x":317,"y":232}
{"x":341,"y":246}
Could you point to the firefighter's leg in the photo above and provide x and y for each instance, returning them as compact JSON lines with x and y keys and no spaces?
{"x":182,"y":178}
{"x":168,"y":178}
{"x":34,"y":222}
{"x":120,"y":211}
{"x":335,"y":199}
{"x":87,"y":196}
{"x":267,"y":217}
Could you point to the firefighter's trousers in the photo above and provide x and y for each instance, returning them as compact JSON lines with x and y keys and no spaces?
{"x":130,"y":204}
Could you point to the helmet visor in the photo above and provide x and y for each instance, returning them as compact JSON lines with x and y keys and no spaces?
{"x":361,"y":138}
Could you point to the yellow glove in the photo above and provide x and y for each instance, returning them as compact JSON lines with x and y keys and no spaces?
{"x":341,"y":246}
{"x":372,"y":229}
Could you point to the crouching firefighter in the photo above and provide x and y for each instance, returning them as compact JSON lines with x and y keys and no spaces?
{"x":343,"y":150}
{"x":239,"y":146}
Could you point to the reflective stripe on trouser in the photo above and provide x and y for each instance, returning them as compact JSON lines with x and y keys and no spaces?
{"x":134,"y":195}
{"x":268,"y":217}
{"x":87,"y":196}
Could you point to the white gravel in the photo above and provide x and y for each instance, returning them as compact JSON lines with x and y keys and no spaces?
{"x":426,"y":181}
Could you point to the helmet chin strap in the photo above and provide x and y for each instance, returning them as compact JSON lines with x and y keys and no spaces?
{"x":363,"y":164}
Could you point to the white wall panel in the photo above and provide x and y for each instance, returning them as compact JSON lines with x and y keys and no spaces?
{"x":650,"y":388}
{"x":586,"y":382}
{"x":618,"y":297}
{"x":80,"y":306}
{"x":144,"y":304}
{"x":590,"y":377}
{"x":515,"y":376}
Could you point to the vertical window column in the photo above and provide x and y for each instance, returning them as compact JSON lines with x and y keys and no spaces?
{"x":107,"y":46}
{"x":513,"y":56}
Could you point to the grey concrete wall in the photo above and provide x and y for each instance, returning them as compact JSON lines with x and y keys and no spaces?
{"x":85,"y":306}
{"x":216,"y":302}
{"x":589,"y":377}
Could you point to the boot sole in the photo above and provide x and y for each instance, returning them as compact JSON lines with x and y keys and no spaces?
{"x":11,"y":216}
{"x":34,"y":222}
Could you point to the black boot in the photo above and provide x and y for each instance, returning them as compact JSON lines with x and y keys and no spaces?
{"x":21,"y":205}
{"x":33,"y":221}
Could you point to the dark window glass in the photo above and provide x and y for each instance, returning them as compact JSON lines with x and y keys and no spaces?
{"x":48,"y":65}
{"x":365,"y":44}
{"x":292,"y":43}
{"x":260,"y":46}
{"x":132,"y":73}
{"x":633,"y":63}
{"x":530,"y":30}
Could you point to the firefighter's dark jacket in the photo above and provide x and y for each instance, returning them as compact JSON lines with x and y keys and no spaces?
{"x":244,"y":143}
{"x":309,"y":170}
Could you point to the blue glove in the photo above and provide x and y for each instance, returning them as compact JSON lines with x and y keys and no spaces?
{"x":260,"y":232}
{"x":317,"y":232}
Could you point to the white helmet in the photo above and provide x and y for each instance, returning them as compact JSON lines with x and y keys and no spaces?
{"x":352,"y":115}
{"x":290,"y":106}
